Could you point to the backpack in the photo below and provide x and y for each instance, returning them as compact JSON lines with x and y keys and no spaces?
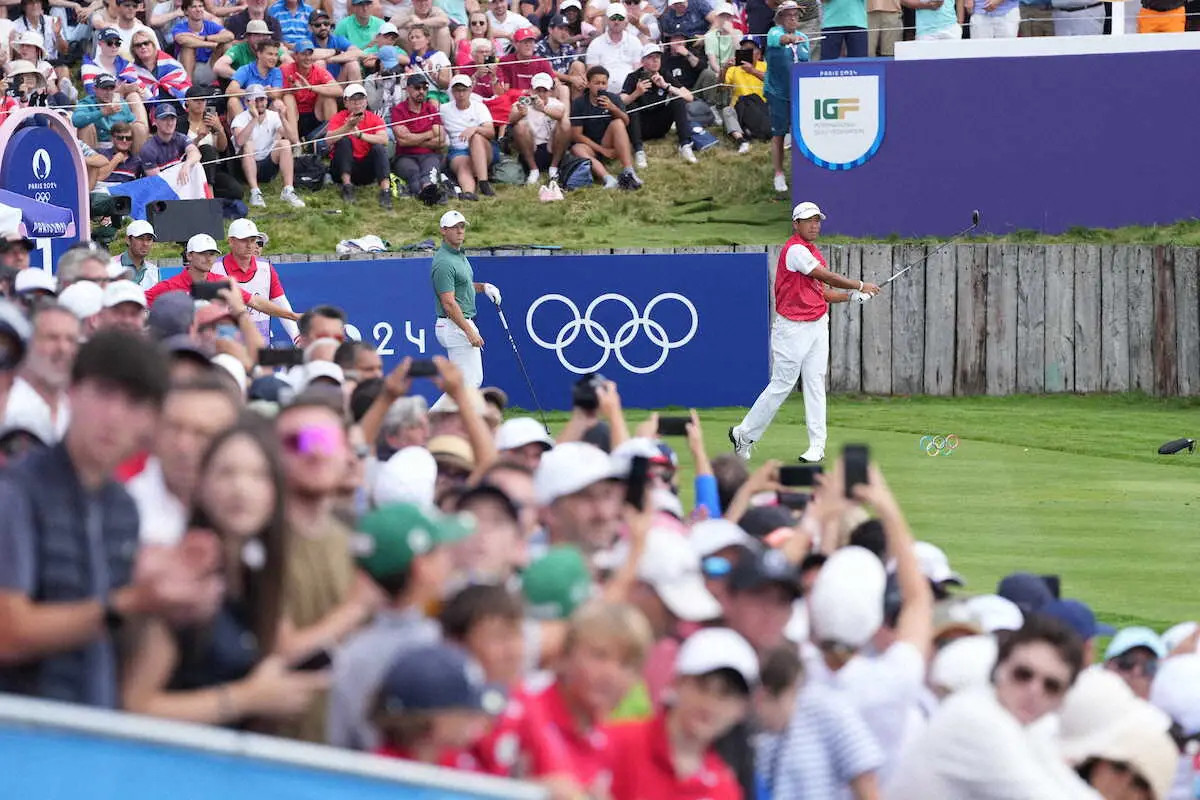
{"x":753,"y":116}
{"x":508,"y":170}
{"x":310,"y":172}
{"x":574,"y":172}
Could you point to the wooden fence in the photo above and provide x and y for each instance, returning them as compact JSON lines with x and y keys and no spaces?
{"x":1002,"y":319}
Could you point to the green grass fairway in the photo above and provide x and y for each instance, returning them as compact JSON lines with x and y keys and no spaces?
{"x":1058,"y":484}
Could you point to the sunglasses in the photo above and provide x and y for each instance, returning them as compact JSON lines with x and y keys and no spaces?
{"x":419,"y":88}
{"x":124,"y":138}
{"x":716,"y":567}
{"x":1129,"y":662}
{"x":111,"y":42}
{"x":142,"y":44}
{"x":1053,"y":687}
{"x":322,"y":24}
{"x":320,"y":440}
{"x":479,"y":22}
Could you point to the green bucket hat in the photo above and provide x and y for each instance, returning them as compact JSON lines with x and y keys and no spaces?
{"x":557,"y":583}
{"x":389,"y":538}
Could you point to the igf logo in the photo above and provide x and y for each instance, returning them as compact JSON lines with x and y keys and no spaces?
{"x":834,"y":107}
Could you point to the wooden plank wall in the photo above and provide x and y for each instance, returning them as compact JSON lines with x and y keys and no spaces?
{"x":1004,"y":319}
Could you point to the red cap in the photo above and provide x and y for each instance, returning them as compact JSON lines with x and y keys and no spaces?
{"x":525,"y":33}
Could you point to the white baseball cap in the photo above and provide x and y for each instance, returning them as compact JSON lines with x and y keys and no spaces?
{"x":651,"y":49}
{"x":725,"y":8}
{"x":964,"y":663}
{"x":712,"y":649}
{"x":315,"y":370}
{"x":235,"y":368}
{"x":565,"y":4}
{"x":460,"y":80}
{"x":258,"y":26}
{"x":846,"y":602}
{"x":83,"y":299}
{"x":452,"y":218}
{"x":1174,"y":636}
{"x":542,"y":80}
{"x":671,"y":566}
{"x":1176,"y":690}
{"x":520,"y":431}
{"x":935,"y":565}
{"x":996,"y":613}
{"x":408,"y":476}
{"x":33,"y":279}
{"x":203,"y":243}
{"x":119,"y":292}
{"x":243,"y":229}
{"x":569,"y":468}
{"x":386,"y":28}
{"x":713,"y":535}
{"x":353,"y":90}
{"x":140,"y":227}
{"x":615,"y":10}
{"x":807,"y":211}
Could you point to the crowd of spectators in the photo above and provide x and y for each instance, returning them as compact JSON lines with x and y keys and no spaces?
{"x":301,"y":546}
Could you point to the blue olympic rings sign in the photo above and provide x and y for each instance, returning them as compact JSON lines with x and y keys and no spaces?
{"x":939,"y":445}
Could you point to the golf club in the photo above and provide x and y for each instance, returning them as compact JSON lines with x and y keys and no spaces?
{"x":521,"y":364}
{"x":974,"y":224}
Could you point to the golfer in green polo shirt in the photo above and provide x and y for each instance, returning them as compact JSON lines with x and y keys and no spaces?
{"x":454,"y":290}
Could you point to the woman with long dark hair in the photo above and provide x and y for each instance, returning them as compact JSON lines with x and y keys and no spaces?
{"x":222,"y":671}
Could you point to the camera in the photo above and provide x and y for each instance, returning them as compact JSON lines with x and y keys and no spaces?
{"x":583,"y":393}
{"x":116,"y":208}
{"x":525,"y":101}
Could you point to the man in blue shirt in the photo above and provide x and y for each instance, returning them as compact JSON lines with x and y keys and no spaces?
{"x":293,"y":19}
{"x":682,"y":16}
{"x":786,"y":45}
{"x":340,"y":56}
{"x":194,"y":38}
{"x":263,"y":72}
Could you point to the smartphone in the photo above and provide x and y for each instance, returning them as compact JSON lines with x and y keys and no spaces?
{"x":635,"y":487}
{"x":743,"y":57}
{"x":793,"y":500}
{"x":422,"y":368}
{"x":673,"y":426}
{"x":207,"y":290}
{"x":316,"y":662}
{"x":799,"y":474}
{"x":1054,"y":583}
{"x":280,"y":357}
{"x":855,"y":458}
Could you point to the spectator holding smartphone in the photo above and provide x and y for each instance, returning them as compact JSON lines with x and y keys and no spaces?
{"x":264,"y":143}
{"x":600,"y":131}
{"x":359,"y":157}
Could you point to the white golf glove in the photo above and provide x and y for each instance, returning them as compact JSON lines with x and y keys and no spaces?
{"x":492,"y":293}
{"x":859,"y":297}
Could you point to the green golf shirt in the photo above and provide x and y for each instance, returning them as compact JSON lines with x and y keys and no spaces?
{"x":452,"y":273}
{"x":359,"y":35}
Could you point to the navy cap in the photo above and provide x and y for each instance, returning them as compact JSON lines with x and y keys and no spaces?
{"x":1027,"y":591}
{"x":762,"y":521}
{"x":271,"y":388}
{"x":109,"y":33}
{"x":757,"y":569}
{"x":166,"y":110}
{"x":320,"y":13}
{"x":1079,"y":616}
{"x":416,"y":79}
{"x":559,"y":21}
{"x":105,"y":81}
{"x":171,"y":314}
{"x":437,"y":677}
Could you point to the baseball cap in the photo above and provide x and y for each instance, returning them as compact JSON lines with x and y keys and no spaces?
{"x":390,"y":537}
{"x":171,"y":313}
{"x":241,"y":229}
{"x":409,"y":476}
{"x":494,"y":395}
{"x":1079,"y":617}
{"x":119,"y":292}
{"x":542,"y":80}
{"x":256,"y":92}
{"x":761,"y":521}
{"x":488,"y":491}
{"x":935,"y":565}
{"x":712,"y":649}
{"x":235,"y":368}
{"x":387,"y":29}
{"x":108,"y":34}
{"x":964,"y":663}
{"x":996,"y":613}
{"x":614,"y":10}
{"x":184,"y":345}
{"x":437,"y":677}
{"x":203,"y":243}
{"x":525,"y":34}
{"x":806,"y":210}
{"x":557,"y":583}
{"x":460,"y":80}
{"x":35,"y":280}
{"x":565,"y":4}
{"x":416,"y":79}
{"x":1137,"y":636}
{"x":520,"y":431}
{"x":955,"y":617}
{"x":270,"y":389}
{"x":651,"y":49}
{"x":359,"y":2}
{"x":258,"y":26}
{"x":725,"y":8}
{"x":305,"y":45}
{"x":672,"y":568}
{"x":452,"y":218}
{"x":322,"y":370}
{"x":846,"y":601}
{"x":140,"y":227}
{"x":1174,"y":636}
{"x":560,"y":20}
{"x":389,"y":57}
{"x":105,"y":81}
{"x":1176,"y":691}
{"x":761,"y":567}
{"x":452,"y":450}
{"x":568,"y":468}
{"x":1028,"y":591}
{"x":83,"y":299}
{"x":212,"y":312}
{"x":166,"y":110}
{"x":713,"y":535}
{"x":319,"y":13}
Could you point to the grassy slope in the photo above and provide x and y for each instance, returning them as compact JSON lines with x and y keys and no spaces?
{"x":1060,"y":484}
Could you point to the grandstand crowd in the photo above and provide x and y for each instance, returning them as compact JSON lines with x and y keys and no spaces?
{"x":296,"y":543}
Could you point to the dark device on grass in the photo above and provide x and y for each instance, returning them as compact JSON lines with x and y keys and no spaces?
{"x":583,"y":393}
{"x":799,"y":474}
{"x":207,"y":290}
{"x":280,"y":357}
{"x":673,"y":426}
{"x":316,"y":662}
{"x":422,"y":368}
{"x":1054,"y":584}
{"x":1174,"y":446}
{"x":854,"y":465}
{"x":635,"y":487}
{"x":797,"y":501}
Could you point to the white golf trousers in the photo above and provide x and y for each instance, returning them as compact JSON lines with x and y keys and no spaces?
{"x":469,"y":359}
{"x":798,"y":350}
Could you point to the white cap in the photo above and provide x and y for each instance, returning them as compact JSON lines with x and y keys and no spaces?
{"x":520,"y":431}
{"x":30,"y":37}
{"x":995,"y":613}
{"x":33,"y":279}
{"x":119,"y":292}
{"x":258,"y":26}
{"x":1176,"y":690}
{"x":460,"y":80}
{"x":203,"y":243}
{"x":408,"y":476}
{"x":964,"y":663}
{"x":353,"y":90}
{"x":235,"y":368}
{"x":569,"y":468}
{"x":140,"y":227}
{"x":712,"y":535}
{"x":243,"y":229}
{"x":671,"y":566}
{"x":712,"y":649}
{"x":725,"y":8}
{"x":1175,"y":635}
{"x":615,"y":10}
{"x":934,"y":564}
{"x":452,"y":218}
{"x":20,"y":67}
{"x":807,"y":211}
{"x":1095,"y":710}
{"x":846,"y":602}
{"x":565,"y":4}
{"x":386,"y":28}
{"x":625,"y":452}
{"x":323,"y":369}
{"x":651,"y":49}
{"x":83,"y":299}
{"x":542,"y":80}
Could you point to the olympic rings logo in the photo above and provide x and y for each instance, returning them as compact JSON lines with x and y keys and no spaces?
{"x":939,"y":445}
{"x":612,"y":344}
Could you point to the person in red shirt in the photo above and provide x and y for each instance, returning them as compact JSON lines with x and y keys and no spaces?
{"x":800,"y":334}
{"x":517,"y":69}
{"x":359,"y":157}
{"x":316,"y":100}
{"x":419,"y":137}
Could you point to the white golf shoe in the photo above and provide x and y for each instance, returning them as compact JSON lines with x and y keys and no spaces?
{"x":742,"y":446}
{"x":812,"y":455}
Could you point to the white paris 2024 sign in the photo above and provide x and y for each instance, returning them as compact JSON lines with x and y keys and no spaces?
{"x":838,"y":116}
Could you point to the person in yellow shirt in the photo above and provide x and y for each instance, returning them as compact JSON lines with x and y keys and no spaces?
{"x":748,"y":71}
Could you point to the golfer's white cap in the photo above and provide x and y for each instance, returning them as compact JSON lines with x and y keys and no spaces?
{"x":139,"y":227}
{"x":672,"y":568}
{"x":452,"y":218}
{"x":119,"y":292}
{"x":520,"y":431}
{"x":34,"y":280}
{"x":651,"y":49}
{"x":712,"y":649}
{"x":353,"y":90}
{"x":614,"y":10}
{"x":807,"y":211}
{"x":542,"y":80}
{"x":460,"y":80}
{"x":243,"y":229}
{"x":203,"y":243}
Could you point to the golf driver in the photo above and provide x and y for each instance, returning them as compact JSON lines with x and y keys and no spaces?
{"x":974,"y":224}
{"x":521,"y":364}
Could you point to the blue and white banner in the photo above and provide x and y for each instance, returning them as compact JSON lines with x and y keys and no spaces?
{"x":838,"y":117}
{"x":669,"y":329}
